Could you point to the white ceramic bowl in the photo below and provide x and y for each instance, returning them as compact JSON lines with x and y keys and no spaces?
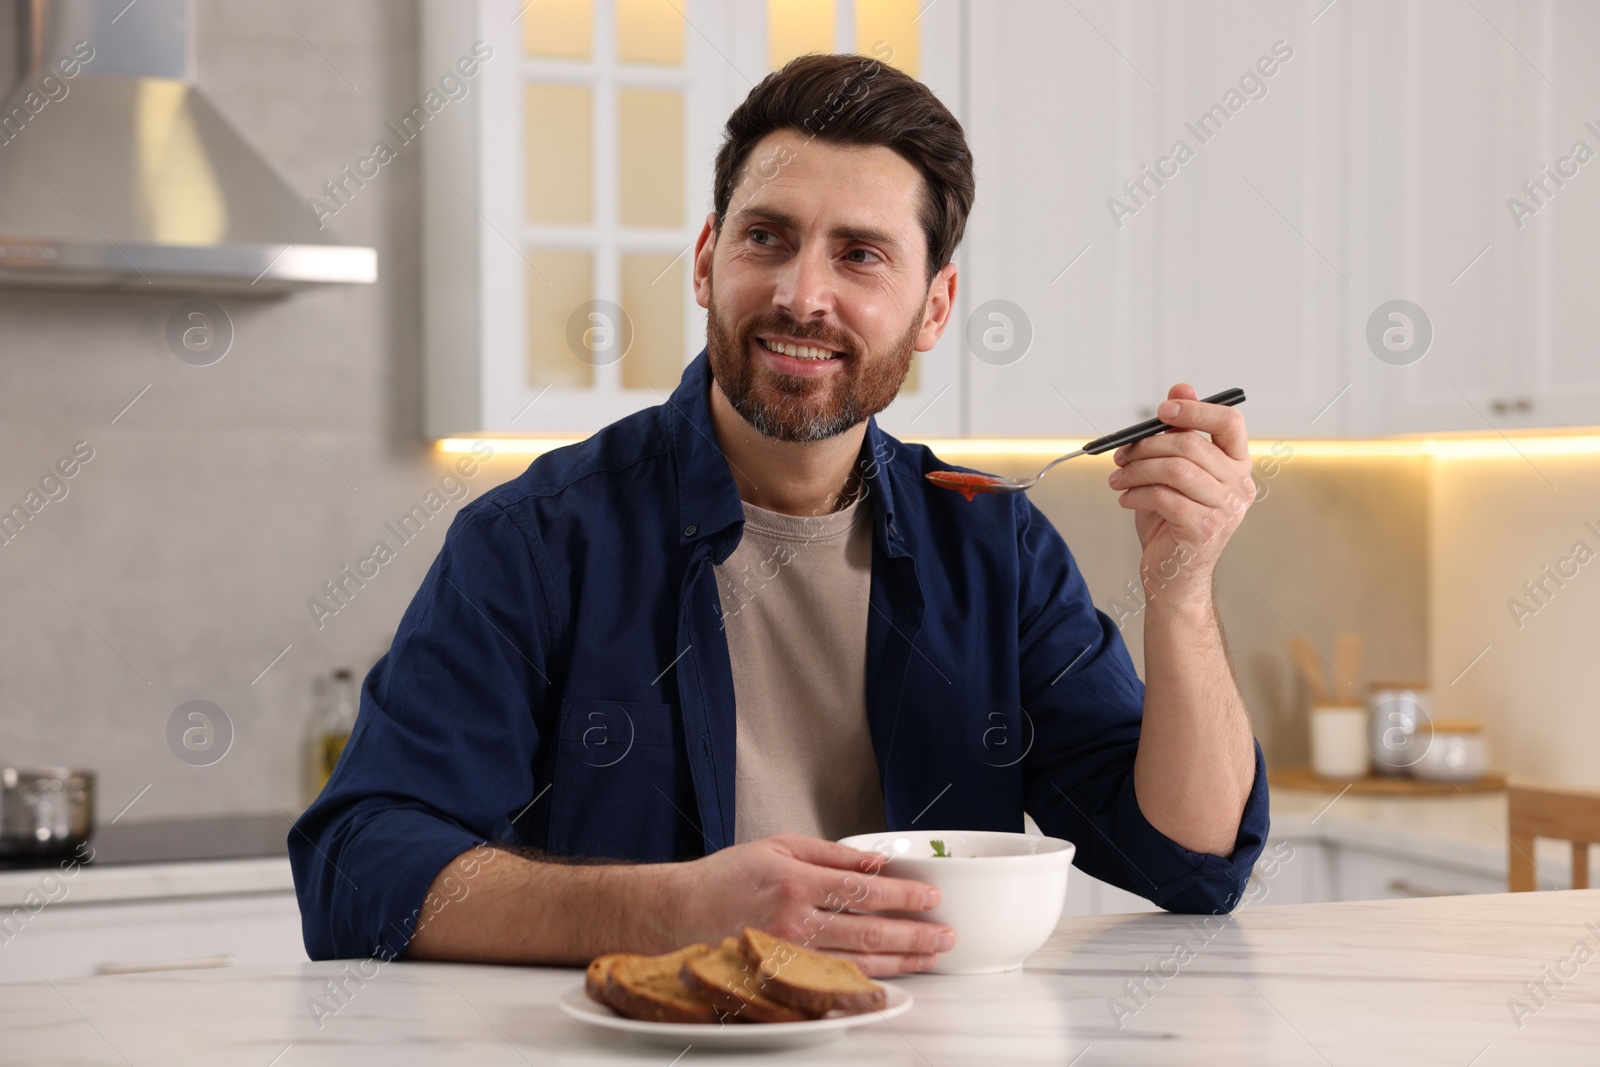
{"x":1001,"y":893}
{"x":1453,"y":756}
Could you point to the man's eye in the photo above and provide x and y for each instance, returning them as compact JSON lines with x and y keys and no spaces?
{"x":854,"y":253}
{"x":762,"y":237}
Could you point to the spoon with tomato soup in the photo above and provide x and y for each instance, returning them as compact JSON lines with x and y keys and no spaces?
{"x":969,"y":484}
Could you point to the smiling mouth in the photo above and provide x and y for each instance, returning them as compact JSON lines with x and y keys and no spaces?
{"x":810,"y":353}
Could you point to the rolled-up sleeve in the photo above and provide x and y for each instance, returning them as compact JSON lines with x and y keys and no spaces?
{"x":444,"y":748}
{"x":1086,"y":704}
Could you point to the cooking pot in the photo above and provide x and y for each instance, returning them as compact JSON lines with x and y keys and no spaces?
{"x":45,"y":811}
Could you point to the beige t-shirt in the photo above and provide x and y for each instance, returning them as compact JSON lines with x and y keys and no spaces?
{"x":794,"y":606}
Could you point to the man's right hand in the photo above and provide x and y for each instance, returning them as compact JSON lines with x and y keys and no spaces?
{"x":797,"y":888}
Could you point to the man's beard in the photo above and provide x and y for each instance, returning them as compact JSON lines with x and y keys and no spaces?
{"x":790,"y":408}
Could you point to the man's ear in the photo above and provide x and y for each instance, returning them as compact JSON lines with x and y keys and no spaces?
{"x":936,"y":312}
{"x":704,"y":248}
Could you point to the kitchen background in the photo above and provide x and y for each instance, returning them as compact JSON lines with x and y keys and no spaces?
{"x":221,"y":498}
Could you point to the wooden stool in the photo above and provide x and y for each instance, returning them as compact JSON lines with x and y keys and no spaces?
{"x":1565,"y":814}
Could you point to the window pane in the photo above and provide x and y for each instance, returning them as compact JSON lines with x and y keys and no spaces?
{"x":650,"y":127}
{"x":563,"y":29}
{"x":653,"y":295}
{"x":649,"y":31}
{"x":796,"y":27}
{"x":887,"y":29}
{"x":559,"y":283}
{"x":557,"y":150}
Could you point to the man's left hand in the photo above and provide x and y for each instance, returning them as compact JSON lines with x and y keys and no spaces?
{"x":1189,"y":489}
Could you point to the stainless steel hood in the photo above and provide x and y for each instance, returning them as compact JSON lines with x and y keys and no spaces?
{"x":117,"y":173}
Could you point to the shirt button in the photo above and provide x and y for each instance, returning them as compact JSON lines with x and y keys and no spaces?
{"x":689,"y":530}
{"x":893,"y":531}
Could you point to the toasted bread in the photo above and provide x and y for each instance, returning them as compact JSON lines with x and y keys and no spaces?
{"x":594,"y":978}
{"x":809,"y":981}
{"x":649,"y":988}
{"x":726,"y":980}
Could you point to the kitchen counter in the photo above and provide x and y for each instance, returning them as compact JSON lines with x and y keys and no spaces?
{"x":1386,"y":982}
{"x":1466,"y":830}
{"x":159,"y":859}
{"x":176,"y":859}
{"x":248,"y":854}
{"x":164,"y":893}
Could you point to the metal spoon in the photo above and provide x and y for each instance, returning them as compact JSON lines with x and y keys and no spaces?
{"x":969,"y":484}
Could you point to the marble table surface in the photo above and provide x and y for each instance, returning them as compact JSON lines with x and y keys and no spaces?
{"x":1483,"y":981}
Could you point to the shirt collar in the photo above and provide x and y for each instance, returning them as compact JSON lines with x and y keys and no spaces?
{"x":708,"y":498}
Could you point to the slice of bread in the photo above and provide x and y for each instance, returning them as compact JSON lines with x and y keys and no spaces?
{"x":649,"y":988}
{"x":726,"y":980}
{"x":809,"y":981}
{"x":594,"y":978}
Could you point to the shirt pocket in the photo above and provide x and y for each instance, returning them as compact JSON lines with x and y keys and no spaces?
{"x":622,"y":788}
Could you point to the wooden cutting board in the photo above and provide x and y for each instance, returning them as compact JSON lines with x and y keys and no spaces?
{"x":1306,"y":778}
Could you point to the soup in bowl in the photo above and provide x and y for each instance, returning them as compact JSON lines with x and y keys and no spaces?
{"x":1001,"y":893}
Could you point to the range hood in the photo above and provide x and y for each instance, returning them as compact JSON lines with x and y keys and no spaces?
{"x":117,"y":173}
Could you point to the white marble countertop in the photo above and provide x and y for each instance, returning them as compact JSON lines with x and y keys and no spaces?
{"x":1386,"y":982}
{"x":147,"y":881}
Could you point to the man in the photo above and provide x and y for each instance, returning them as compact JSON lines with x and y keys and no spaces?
{"x":647,"y":681}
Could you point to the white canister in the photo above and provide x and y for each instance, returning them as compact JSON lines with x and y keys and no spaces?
{"x":1339,"y":741}
{"x":1456,"y":752}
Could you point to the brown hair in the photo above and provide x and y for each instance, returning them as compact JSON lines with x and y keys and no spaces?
{"x":857,"y":100}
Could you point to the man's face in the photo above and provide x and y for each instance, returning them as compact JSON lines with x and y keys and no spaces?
{"x":816,"y":289}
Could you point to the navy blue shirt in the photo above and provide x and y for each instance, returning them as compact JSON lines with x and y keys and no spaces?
{"x":561,"y":681}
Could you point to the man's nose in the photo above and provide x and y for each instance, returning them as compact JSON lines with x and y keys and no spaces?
{"x":805,"y":285}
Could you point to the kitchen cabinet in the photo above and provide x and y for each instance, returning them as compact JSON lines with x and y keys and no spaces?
{"x":69,"y":940}
{"x":1057,"y":321}
{"x":1311,"y":871}
{"x":1324,"y":849}
{"x":568,"y":174}
{"x":1363,"y":874}
{"x":1132,"y":281}
{"x":564,"y":192}
{"x":165,"y":894}
{"x":1441,"y":149}
{"x":1330,"y":168}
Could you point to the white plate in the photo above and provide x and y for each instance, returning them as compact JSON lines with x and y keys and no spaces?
{"x":577,"y":1004}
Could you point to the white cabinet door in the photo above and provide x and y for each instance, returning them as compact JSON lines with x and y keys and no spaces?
{"x":1153,"y":207}
{"x":1359,"y":874}
{"x":546,"y":307}
{"x":1289,"y":872}
{"x":1437,"y":132}
{"x":1087,"y":895}
{"x":1563,"y":387}
{"x":1250,"y":281}
{"x":80,"y":940}
{"x":1469,"y":199}
{"x":1056,"y":317}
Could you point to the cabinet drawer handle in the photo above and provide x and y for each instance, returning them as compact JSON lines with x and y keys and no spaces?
{"x":1412,"y":889}
{"x":200,"y":964}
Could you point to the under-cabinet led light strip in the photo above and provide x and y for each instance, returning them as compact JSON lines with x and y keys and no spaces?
{"x":1455,"y":447}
